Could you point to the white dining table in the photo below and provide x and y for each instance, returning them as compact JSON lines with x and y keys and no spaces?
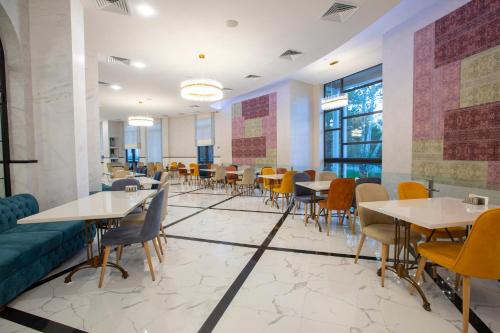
{"x":101,"y":206}
{"x":272,"y":179}
{"x":315,"y":186}
{"x":430,"y":213}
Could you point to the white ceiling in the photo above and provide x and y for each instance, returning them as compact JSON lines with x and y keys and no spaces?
{"x":170,"y":41}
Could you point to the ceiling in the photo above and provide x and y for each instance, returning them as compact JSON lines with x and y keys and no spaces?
{"x":169,"y":42}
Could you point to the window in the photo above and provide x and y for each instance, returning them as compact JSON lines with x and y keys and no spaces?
{"x":205,"y":154}
{"x":353,"y":134}
{"x":4,"y":135}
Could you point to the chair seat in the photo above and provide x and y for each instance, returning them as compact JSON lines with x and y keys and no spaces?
{"x":134,"y":219}
{"x":386,"y":233}
{"x":304,"y":198}
{"x":456,"y":232}
{"x":279,"y":190}
{"x":441,"y":253}
{"x":123,"y":235}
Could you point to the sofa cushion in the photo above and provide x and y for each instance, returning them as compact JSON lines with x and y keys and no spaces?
{"x":16,"y":207}
{"x":29,"y":247}
{"x":67,"y":229}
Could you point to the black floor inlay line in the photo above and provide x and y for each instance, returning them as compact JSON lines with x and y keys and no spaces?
{"x":36,"y":322}
{"x":456,"y":300}
{"x":228,"y":297}
{"x":213,"y":241}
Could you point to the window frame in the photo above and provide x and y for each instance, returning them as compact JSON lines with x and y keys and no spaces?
{"x":343,"y":161}
{"x":207,"y":152}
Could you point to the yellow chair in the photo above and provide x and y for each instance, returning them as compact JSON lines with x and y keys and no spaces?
{"x":477,"y":257}
{"x":194,"y":172}
{"x":285,"y":189}
{"x":414,"y":190}
{"x":173,"y":166}
{"x":268,"y":184}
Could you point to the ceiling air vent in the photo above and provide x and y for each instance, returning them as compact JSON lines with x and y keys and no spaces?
{"x":102,"y":83}
{"x":113,"y":6}
{"x":291,"y":55}
{"x":340,"y":12}
{"x":227,"y":89}
{"x":120,"y":60}
{"x":253,"y":76}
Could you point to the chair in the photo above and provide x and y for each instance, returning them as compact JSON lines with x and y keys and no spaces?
{"x":204,"y":175}
{"x":139,"y":218}
{"x":340,"y":199}
{"x":247,"y":181}
{"x":376,"y":225}
{"x":267,"y":183}
{"x":260,"y":181}
{"x":119,"y":173}
{"x":144,"y":233}
{"x":151,"y":169}
{"x":477,"y":257}
{"x":194,"y":172}
{"x":120,"y":184}
{"x":312,"y":174}
{"x":281,"y":171}
{"x":414,"y":190}
{"x":173,"y":166}
{"x":183,"y":173}
{"x":301,"y":194}
{"x":365,"y":180}
{"x":326,"y":175}
{"x":220,"y":175}
{"x":285,"y":189}
{"x":231,"y":179}
{"x":163,"y":179}
{"x":157,"y":177}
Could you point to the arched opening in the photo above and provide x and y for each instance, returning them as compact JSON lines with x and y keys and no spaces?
{"x":5,"y":187}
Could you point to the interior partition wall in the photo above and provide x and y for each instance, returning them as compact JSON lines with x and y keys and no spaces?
{"x":5,"y":187}
{"x":353,"y":134}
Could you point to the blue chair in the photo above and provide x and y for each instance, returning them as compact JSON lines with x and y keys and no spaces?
{"x":120,"y":184}
{"x":157,"y":177}
{"x":134,"y":234}
{"x":301,"y":194}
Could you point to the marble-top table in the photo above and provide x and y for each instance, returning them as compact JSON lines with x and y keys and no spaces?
{"x":235,"y":172}
{"x":272,"y":179}
{"x":207,"y":170}
{"x":315,"y":186}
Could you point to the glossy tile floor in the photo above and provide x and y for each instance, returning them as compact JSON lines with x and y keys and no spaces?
{"x":234,"y":264}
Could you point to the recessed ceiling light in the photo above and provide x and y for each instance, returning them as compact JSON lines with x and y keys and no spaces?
{"x":145,"y":10}
{"x":138,"y":64}
{"x":116,"y":87}
{"x":232,"y":23}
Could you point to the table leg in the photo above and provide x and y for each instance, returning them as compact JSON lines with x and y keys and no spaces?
{"x":93,"y":261}
{"x":401,"y":267}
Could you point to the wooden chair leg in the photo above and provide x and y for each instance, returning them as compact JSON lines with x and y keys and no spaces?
{"x":352,"y":222}
{"x":465,"y":303}
{"x":119,"y":254}
{"x":360,"y":246}
{"x":148,"y":257}
{"x":157,"y":249}
{"x":107,"y":249}
{"x":385,"y":252}
{"x":328,"y":221}
{"x":158,"y":240}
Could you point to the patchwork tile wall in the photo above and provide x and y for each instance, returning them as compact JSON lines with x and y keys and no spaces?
{"x":456,"y":97}
{"x":254,"y":131}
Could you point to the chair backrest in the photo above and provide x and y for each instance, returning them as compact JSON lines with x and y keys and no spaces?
{"x":287,"y":182}
{"x":480,"y":253}
{"x":412,"y":190}
{"x":231,"y":168}
{"x":194,"y":169}
{"x":268,"y":171}
{"x":365,"y":180}
{"x":371,"y":192}
{"x":151,"y":169}
{"x":220,"y":172}
{"x":152,"y":222}
{"x":340,"y":193}
{"x":248,"y":177}
{"x":164,"y":209}
{"x":163,"y":179}
{"x":157,"y":177}
{"x":300,"y":190}
{"x":312,"y":174}
{"x":119,"y":184}
{"x":120,"y":173}
{"x":327,"y":175}
{"x":281,"y":171}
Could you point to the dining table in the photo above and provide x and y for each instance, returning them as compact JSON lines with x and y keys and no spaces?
{"x":100,"y":208}
{"x":274,"y":178}
{"x":315,"y":187}
{"x":430,"y":213}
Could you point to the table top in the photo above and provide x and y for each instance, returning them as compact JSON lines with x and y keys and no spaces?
{"x":430,"y":213}
{"x":273,"y":177}
{"x":130,"y":174}
{"x":236,"y":172}
{"x":101,"y":205}
{"x":144,"y":181}
{"x":208,"y":170}
{"x":320,"y":185}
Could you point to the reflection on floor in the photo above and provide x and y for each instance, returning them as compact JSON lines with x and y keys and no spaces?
{"x":220,"y":275}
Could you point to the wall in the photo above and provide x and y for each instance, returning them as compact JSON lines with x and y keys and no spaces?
{"x":181,"y":140}
{"x":93,"y":126}
{"x":116,"y":130}
{"x":398,"y":48}
{"x":301,"y":124}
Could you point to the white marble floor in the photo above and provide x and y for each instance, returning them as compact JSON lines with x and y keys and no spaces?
{"x":234,"y":264}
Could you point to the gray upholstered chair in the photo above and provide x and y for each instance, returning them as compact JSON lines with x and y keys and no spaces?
{"x":377,"y":225}
{"x":139,"y":218}
{"x":301,"y":194}
{"x":119,"y":184}
{"x":144,"y":233}
{"x":247,"y":181}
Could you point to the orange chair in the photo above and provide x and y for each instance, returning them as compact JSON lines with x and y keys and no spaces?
{"x":182,"y":170}
{"x":477,"y":257}
{"x":414,"y":190}
{"x":285,"y":189}
{"x":268,"y":184}
{"x":281,"y":171}
{"x":311,"y":174}
{"x":231,"y":179}
{"x":339,"y":198}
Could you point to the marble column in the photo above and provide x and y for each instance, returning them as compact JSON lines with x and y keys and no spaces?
{"x":93,"y":115}
{"x":105,"y":141}
{"x":59,"y":100}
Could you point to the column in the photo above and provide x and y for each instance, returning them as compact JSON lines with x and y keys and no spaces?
{"x":93,"y":128}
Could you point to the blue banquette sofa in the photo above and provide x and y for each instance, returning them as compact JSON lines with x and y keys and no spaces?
{"x":29,"y":251}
